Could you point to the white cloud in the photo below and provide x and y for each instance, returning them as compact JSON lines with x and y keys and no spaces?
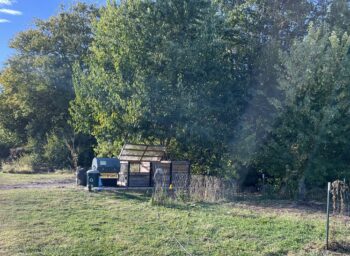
{"x":4,"y":21}
{"x":6,"y":2}
{"x":10,"y":11}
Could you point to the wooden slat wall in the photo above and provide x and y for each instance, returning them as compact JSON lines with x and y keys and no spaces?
{"x":180,"y":174}
{"x":180,"y":177}
{"x":139,"y":180}
{"x":180,"y":171}
{"x":181,"y":166}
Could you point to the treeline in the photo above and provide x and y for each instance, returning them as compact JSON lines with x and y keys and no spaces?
{"x":238,"y":87}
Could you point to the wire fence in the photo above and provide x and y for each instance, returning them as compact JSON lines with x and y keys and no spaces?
{"x":192,"y":188}
{"x":214,"y":189}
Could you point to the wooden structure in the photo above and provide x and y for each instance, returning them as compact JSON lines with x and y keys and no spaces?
{"x":140,"y":164}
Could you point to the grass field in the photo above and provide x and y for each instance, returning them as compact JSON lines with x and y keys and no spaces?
{"x":71,"y":221}
{"x":16,"y":179}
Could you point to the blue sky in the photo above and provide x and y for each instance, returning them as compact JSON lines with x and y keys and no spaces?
{"x":18,"y":15}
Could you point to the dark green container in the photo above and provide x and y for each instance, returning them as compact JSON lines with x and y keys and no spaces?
{"x":93,"y":178}
{"x":81,"y":177}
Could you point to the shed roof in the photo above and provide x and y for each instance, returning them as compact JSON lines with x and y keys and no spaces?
{"x":142,"y":153}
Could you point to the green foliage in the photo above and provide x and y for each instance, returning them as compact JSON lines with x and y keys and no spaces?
{"x":56,"y":152}
{"x":164,"y":77}
{"x":338,"y":15}
{"x":261,"y":29}
{"x":37,"y":80}
{"x":24,"y":164}
{"x":7,"y":140}
{"x":239,"y":88}
{"x":310,"y":140}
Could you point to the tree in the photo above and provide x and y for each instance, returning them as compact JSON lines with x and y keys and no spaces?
{"x":310,"y":140}
{"x":160,"y":72}
{"x":37,"y":80}
{"x":261,"y":29}
{"x":338,"y":15}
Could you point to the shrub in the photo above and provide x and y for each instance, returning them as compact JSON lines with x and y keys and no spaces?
{"x":56,"y":153}
{"x":24,"y":164}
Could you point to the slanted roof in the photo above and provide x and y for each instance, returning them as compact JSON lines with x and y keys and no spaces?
{"x":142,"y":153}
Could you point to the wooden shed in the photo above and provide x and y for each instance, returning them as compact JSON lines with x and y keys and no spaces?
{"x":142,"y":164}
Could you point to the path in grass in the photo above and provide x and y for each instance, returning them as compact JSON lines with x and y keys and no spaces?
{"x":49,"y":180}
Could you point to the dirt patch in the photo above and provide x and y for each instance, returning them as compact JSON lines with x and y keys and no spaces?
{"x":280,"y":207}
{"x":335,"y":249}
{"x":340,"y":248}
{"x":303,"y":209}
{"x":46,"y":184}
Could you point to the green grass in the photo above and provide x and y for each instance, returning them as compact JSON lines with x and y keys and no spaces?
{"x":16,"y":179}
{"x":70,"y":221}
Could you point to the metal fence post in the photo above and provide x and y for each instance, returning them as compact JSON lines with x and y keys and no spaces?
{"x":327,"y":222}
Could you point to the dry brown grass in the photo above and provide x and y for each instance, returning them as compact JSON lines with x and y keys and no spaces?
{"x":211,"y":189}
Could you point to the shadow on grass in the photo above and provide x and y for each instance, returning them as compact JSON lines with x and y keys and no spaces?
{"x":131,"y":195}
{"x":188,"y":206}
{"x":256,"y":200}
{"x":146,"y":196}
{"x":341,"y":247}
{"x":278,"y":253}
{"x":253,"y":201}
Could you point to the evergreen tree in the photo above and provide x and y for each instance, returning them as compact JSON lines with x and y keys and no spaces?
{"x":309,"y":143}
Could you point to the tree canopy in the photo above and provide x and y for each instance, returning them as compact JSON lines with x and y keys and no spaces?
{"x":37,"y":80}
{"x":239,"y":88}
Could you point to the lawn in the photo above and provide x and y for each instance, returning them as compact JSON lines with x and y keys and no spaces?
{"x":16,"y":179}
{"x":72,"y":221}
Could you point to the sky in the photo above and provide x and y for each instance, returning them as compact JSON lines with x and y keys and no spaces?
{"x":18,"y":15}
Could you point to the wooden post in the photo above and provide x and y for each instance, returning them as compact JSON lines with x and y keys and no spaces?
{"x":327,"y":221}
{"x":171,"y":173}
{"x":150,"y":173}
{"x":263,"y":180}
{"x":189,"y":175}
{"x":188,"y":181}
{"x":128,"y":182}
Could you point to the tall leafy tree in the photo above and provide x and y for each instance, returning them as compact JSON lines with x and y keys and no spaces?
{"x":261,"y":29}
{"x":161,"y":72}
{"x":309,"y":143}
{"x":37,"y":80}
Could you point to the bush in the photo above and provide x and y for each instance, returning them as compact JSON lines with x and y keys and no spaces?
{"x":56,"y":153}
{"x":25,"y":164}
